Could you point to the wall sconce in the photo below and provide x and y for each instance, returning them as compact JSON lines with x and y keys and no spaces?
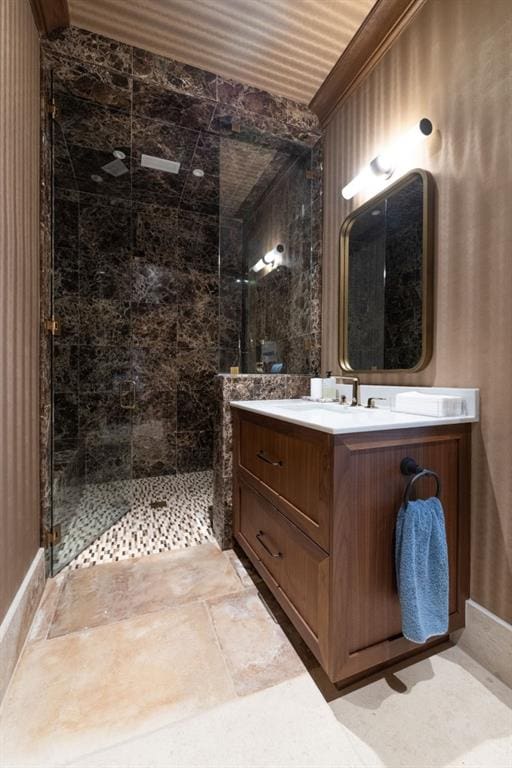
{"x":272,"y":257}
{"x":385,"y":162}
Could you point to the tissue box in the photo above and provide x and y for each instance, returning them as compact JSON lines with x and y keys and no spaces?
{"x":425,"y":404}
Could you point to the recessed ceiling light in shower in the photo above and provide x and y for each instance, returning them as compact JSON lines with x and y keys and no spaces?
{"x":119,"y":154}
{"x":198,"y":172}
{"x":159,"y":164}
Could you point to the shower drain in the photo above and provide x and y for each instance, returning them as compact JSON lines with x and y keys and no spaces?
{"x":158,"y":503}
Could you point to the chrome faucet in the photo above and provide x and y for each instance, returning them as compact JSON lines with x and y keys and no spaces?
{"x":355,"y":387}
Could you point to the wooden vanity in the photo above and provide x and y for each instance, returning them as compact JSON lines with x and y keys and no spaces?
{"x":315,"y":513}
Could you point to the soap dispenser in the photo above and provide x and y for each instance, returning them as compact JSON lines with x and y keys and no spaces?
{"x":329,"y":387}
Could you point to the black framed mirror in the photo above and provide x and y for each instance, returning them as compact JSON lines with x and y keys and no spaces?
{"x":386,"y":279}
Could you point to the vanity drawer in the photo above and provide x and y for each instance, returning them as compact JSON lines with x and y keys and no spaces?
{"x":293,"y":467}
{"x":263,"y":452}
{"x":296,"y":563}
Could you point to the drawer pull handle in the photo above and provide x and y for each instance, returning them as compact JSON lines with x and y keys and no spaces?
{"x":259,"y":536}
{"x":261,"y":455}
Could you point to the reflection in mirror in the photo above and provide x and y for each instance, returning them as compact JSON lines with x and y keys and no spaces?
{"x":385,"y":323}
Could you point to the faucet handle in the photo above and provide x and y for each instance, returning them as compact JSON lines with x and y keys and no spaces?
{"x":371,"y":401}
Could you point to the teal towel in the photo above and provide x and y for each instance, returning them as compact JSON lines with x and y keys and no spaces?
{"x":421,"y":561}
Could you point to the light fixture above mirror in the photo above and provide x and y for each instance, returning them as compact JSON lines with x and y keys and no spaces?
{"x":385,"y":162}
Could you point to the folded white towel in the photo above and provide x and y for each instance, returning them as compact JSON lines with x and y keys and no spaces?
{"x":426,"y":404}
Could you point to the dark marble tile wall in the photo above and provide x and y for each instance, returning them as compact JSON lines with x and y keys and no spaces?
{"x":283,"y":306}
{"x":403,"y":291}
{"x":365,"y":330}
{"x":231,"y":293}
{"x":227,"y":389}
{"x":136,"y":272}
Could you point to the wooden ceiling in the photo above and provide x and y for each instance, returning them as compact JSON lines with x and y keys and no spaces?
{"x":287,"y":47}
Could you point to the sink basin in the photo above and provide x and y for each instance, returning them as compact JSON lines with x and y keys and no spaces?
{"x":300,"y":405}
{"x":333,"y":412}
{"x":305,"y":406}
{"x":334,"y":409}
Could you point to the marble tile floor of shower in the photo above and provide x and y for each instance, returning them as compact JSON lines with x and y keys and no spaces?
{"x":182,"y":521}
{"x":173,"y":661}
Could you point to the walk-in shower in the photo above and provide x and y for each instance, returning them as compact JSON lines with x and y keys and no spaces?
{"x":168,"y":183}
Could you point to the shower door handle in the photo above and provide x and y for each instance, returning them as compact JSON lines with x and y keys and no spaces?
{"x":128,"y":395}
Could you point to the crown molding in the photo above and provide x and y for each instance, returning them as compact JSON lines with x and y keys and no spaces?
{"x":376,"y":35}
{"x":50,"y":14}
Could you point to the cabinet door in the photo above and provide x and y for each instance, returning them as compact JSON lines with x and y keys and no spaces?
{"x":370,"y":490}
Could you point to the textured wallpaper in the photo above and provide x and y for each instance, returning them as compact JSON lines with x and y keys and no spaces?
{"x":19,"y":295}
{"x":452,"y":64}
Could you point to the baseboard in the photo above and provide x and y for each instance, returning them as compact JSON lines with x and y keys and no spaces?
{"x":17,"y":621}
{"x":488,"y":639}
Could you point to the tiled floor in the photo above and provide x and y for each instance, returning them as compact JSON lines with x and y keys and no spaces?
{"x":173,"y":660}
{"x":183,"y":520}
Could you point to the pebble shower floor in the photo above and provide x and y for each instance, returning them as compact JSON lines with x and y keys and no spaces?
{"x":146,"y":530}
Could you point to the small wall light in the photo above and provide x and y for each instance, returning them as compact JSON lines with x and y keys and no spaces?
{"x":385,"y":162}
{"x":271,"y":257}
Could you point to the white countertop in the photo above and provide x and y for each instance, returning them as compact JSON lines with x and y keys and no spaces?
{"x":343,"y":419}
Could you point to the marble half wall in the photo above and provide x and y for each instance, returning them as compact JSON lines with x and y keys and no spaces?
{"x":241,"y":387}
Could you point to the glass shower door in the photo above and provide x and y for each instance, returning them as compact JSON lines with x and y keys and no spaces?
{"x":266,"y":309}
{"x":93,"y":393}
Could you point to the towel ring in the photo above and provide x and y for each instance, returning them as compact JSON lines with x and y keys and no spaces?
{"x":410,"y":467}
{"x":423,"y":473}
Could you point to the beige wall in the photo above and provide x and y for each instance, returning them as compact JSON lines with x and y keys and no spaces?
{"x":454,"y":65}
{"x":19,"y":295}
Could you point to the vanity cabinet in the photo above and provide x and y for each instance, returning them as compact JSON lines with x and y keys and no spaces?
{"x":315,"y":512}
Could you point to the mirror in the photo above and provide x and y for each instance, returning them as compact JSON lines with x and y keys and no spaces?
{"x":386,"y":276}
